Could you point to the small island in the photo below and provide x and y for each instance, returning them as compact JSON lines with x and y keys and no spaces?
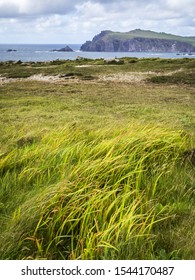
{"x":10,"y":50}
{"x":65,"y":49}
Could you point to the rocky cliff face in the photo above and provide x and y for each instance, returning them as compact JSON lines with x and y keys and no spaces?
{"x":102,"y":43}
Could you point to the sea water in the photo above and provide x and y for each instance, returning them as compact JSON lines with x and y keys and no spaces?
{"x":35,"y":52}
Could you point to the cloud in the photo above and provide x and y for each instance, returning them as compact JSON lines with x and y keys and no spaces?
{"x":8,"y":10}
{"x":80,"y":20}
{"x":44,"y":7}
{"x":41,"y":7}
{"x":50,"y":22}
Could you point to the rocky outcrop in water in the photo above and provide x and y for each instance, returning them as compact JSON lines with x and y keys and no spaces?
{"x":65,"y":49}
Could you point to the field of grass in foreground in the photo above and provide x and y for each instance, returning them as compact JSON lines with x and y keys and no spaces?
{"x":98,"y":169}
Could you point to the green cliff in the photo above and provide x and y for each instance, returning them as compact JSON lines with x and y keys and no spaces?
{"x":139,"y":41}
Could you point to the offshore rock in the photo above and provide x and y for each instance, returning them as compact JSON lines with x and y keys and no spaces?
{"x":65,"y":49}
{"x":11,"y":50}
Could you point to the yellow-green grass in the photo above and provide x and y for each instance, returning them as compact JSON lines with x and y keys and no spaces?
{"x":97,"y":170}
{"x":93,"y":194}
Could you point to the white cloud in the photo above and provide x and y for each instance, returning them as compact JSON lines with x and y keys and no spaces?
{"x":80,"y":20}
{"x":49,"y":22}
{"x":30,"y":7}
{"x":89,"y":10}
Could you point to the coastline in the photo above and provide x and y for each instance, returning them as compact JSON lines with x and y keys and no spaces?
{"x":41,"y":53}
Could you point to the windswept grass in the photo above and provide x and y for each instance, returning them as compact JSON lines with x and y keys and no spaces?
{"x":86,"y":194}
{"x":97,"y":169}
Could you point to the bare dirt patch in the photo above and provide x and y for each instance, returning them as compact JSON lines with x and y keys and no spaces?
{"x":39,"y":78}
{"x":4,"y":80}
{"x":85,"y":66}
{"x":42,"y":78}
{"x":134,"y":77}
{"x":127,"y":77}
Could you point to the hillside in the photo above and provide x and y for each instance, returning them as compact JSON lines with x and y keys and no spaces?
{"x":139,"y":41}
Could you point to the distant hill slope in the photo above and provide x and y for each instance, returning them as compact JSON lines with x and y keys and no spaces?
{"x":139,"y":41}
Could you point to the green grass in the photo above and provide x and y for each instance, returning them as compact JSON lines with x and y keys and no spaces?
{"x":67,"y":68}
{"x":89,"y":194}
{"x":95,"y":169}
{"x":147,"y":34}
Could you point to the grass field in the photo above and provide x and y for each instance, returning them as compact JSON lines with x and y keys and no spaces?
{"x":97,"y":160}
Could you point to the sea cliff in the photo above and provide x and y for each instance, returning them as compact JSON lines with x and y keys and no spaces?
{"x":139,"y":41}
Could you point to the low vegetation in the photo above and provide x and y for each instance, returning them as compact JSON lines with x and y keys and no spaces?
{"x":148,"y":34}
{"x":97,"y":168}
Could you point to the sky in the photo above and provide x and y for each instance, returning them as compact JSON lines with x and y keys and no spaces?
{"x":75,"y":21}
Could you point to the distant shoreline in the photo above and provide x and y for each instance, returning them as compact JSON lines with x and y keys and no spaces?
{"x":42,"y":53}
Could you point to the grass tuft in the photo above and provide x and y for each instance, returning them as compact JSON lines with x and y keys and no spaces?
{"x":92,"y":194}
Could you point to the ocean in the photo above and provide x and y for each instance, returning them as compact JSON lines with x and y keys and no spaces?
{"x":35,"y":52}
